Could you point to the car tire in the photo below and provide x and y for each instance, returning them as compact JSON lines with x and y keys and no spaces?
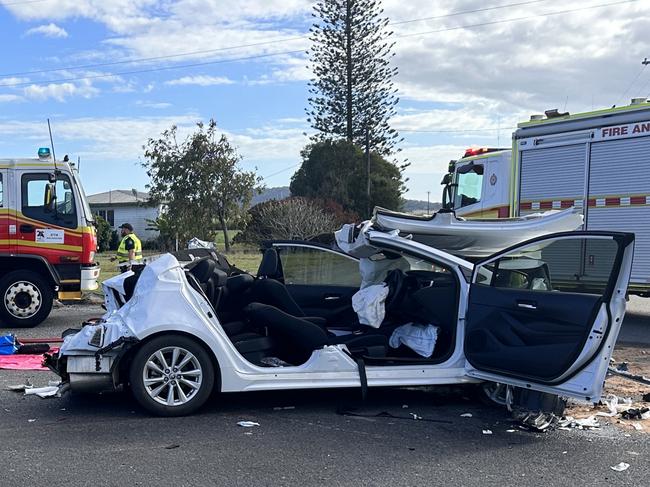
{"x":492,"y":394}
{"x":163,"y":388}
{"x":26,"y":297}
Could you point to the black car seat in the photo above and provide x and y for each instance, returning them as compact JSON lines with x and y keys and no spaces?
{"x":300,"y":337}
{"x":270,"y":266}
{"x":203,"y":270}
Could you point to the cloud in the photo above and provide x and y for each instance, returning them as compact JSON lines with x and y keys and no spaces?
{"x":154,"y":105}
{"x":60,"y":91}
{"x":48,"y":30}
{"x":200,"y":80}
{"x":7,"y":98}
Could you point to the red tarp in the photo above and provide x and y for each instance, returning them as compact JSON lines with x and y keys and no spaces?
{"x":23,"y":362}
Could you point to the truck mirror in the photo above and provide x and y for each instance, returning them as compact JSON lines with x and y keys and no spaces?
{"x":446,"y":179}
{"x":49,"y":198}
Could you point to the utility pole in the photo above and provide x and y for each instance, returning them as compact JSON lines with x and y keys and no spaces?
{"x":428,"y":194}
{"x":368,"y":170}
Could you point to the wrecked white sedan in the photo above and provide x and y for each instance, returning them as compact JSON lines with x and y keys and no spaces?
{"x":540,"y":318}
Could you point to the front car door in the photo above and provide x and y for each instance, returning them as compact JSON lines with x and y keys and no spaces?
{"x":545,"y":314}
{"x":321,"y":280}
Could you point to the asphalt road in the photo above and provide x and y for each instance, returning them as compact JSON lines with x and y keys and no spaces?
{"x":106,"y":439}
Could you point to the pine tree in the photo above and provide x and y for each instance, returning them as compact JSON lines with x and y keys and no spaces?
{"x":352,"y":89}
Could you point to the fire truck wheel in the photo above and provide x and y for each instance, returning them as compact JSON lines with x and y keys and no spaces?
{"x":26,"y":299}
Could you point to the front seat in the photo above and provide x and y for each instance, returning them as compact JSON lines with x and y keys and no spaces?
{"x":301,"y":336}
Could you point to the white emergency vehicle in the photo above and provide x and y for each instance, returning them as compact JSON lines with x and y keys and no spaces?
{"x":598,"y":162}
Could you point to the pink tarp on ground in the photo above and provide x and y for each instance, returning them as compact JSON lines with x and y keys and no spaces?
{"x":23,"y":362}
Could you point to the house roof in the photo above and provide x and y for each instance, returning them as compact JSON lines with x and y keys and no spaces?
{"x":119,"y":197}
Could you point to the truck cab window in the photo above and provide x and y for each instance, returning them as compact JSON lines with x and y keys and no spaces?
{"x":469,"y":187}
{"x":33,"y":189}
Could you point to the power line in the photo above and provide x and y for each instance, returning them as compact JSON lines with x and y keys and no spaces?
{"x":464,"y":12}
{"x":150,"y":70}
{"x":256,"y":44}
{"x":452,"y":131}
{"x":207,"y":63}
{"x":644,"y":65}
{"x":155,"y":58}
{"x":516,"y":19}
{"x":281,"y":171}
{"x":9,"y":4}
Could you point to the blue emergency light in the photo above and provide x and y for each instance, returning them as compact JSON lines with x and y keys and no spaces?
{"x":44,"y":152}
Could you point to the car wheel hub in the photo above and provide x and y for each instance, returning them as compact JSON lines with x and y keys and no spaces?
{"x":23,"y":299}
{"x":172,"y":376}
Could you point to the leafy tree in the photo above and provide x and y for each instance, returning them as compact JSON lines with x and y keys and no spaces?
{"x":336,"y":170}
{"x":294,"y":218}
{"x":352,"y":87}
{"x":104,"y":234}
{"x":199,"y":181}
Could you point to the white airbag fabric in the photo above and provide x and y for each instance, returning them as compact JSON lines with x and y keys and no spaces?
{"x":369,"y":304}
{"x":421,"y":339}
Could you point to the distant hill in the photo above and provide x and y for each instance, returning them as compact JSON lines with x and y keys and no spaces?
{"x":419,"y":206}
{"x":281,"y":192}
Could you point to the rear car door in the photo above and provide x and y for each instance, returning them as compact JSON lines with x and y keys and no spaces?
{"x":545,"y":315}
{"x":321,"y":280}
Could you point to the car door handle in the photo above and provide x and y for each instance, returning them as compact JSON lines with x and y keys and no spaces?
{"x":527,"y":304}
{"x":27,"y":228}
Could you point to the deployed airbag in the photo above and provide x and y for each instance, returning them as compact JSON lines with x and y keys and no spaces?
{"x":419,"y":338}
{"x":369,"y":304}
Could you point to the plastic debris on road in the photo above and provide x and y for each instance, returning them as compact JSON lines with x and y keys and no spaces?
{"x":621,"y":467}
{"x":636,"y":413}
{"x":466,"y":415}
{"x":247,"y":424}
{"x":487,"y":432}
{"x":582,"y":424}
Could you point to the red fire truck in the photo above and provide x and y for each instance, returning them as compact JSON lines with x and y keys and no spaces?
{"x":47,"y":238}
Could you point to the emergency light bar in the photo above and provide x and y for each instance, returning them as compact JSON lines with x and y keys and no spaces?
{"x":44,"y":153}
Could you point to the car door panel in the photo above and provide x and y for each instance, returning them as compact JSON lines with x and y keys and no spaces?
{"x":555,"y":325}
{"x":557,"y":337}
{"x":333,"y":303}
{"x":321,"y":280}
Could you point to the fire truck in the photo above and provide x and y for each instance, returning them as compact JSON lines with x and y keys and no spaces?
{"x":596,"y":162}
{"x":47,"y":238}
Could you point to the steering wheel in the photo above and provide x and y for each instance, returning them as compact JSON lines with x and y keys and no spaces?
{"x":395,"y":280}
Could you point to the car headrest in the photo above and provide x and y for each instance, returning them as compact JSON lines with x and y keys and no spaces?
{"x":240,"y":283}
{"x":270,"y":264}
{"x":203,"y":269}
{"x":220,"y":277}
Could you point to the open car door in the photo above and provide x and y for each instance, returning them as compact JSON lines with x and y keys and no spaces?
{"x":544,"y":315}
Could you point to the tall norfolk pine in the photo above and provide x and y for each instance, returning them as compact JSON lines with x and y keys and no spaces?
{"x":352,"y":86}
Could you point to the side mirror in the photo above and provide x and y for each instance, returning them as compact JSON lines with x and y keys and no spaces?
{"x":49,"y":198}
{"x":447,"y":178}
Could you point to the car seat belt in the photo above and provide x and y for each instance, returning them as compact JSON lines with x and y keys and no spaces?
{"x":363,"y":378}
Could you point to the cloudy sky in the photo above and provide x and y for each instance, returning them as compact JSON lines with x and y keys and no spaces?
{"x":112,"y":73}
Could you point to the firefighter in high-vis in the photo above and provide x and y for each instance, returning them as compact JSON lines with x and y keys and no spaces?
{"x":129,"y":252}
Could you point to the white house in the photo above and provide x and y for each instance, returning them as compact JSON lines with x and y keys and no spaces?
{"x":126,"y":206}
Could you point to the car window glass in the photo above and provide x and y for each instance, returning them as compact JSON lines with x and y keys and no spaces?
{"x":575,"y":264}
{"x":33,"y":191}
{"x":310,"y":266}
{"x":469,"y":188}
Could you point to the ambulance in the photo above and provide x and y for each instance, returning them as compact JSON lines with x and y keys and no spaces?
{"x":597,"y":162}
{"x":47,"y":238}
